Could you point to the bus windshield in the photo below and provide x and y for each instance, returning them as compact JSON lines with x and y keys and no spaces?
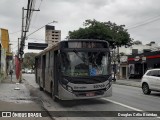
{"x":76,"y":63}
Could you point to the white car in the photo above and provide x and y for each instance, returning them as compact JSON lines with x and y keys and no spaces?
{"x":29,"y":71}
{"x":151,"y":81}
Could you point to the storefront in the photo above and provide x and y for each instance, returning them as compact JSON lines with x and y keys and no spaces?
{"x":123,"y":67}
{"x":138,"y":64}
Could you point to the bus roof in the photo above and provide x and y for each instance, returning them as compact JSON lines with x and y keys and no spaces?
{"x":48,"y":48}
{"x":56,"y":46}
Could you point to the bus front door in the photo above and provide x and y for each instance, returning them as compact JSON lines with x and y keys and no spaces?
{"x":43,"y":70}
{"x":56,"y":73}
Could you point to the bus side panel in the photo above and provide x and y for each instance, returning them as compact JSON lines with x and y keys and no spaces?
{"x":38,"y":73}
{"x":36,"y":70}
{"x":55,"y":73}
{"x":51,"y":70}
{"x":50,"y":73}
{"x":47,"y":73}
{"x":39,"y":77}
{"x":43,"y":71}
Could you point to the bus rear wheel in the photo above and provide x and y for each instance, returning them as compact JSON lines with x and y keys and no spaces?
{"x":40,"y":88}
{"x":54,"y":96}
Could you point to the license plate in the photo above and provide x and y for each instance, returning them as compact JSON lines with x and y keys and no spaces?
{"x":90,"y":94}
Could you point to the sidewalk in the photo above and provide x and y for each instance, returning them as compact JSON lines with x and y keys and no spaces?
{"x":17,"y":100}
{"x":129,"y":82}
{"x":8,"y":80}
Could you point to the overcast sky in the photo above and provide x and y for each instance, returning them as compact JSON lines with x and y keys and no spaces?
{"x":141,"y":17}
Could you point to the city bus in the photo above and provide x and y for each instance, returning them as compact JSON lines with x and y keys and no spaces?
{"x":75,"y":69}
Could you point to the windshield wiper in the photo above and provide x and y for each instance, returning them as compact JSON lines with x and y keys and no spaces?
{"x":79,"y":55}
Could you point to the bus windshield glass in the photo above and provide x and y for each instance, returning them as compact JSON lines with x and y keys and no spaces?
{"x":76,"y":63}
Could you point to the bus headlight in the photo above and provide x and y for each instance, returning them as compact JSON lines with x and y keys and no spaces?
{"x":69,"y":88}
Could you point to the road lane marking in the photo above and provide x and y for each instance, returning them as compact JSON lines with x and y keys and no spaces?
{"x":121,"y":104}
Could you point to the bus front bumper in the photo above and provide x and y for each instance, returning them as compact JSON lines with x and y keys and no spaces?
{"x":66,"y":95}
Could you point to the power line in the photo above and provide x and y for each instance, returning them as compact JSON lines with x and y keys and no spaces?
{"x":41,"y":28}
{"x":40,"y":4}
{"x":15,"y":32}
{"x":15,"y":47}
{"x":148,"y":19}
{"x":151,"y":20}
{"x":37,"y":39}
{"x":36,"y":13}
{"x":26,"y":25}
{"x":13,"y":41}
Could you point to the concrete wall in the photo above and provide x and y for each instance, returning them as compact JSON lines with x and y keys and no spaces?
{"x":5,"y":49}
{"x":3,"y":72}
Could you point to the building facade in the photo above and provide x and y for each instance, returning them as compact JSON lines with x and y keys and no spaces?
{"x":52,"y":36}
{"x":137,"y":59}
{"x":138,"y":49}
{"x":138,"y":64}
{"x":5,"y":51}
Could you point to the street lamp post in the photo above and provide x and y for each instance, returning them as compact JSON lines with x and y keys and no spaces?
{"x":24,"y":43}
{"x":41,"y":28}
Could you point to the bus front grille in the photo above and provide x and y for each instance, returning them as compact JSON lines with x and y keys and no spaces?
{"x":92,"y":92}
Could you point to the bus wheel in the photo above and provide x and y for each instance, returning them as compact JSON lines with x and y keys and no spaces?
{"x":53,"y":96}
{"x":40,"y":88}
{"x":55,"y":99}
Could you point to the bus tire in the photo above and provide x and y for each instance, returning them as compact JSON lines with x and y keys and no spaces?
{"x":55,"y":99}
{"x":53,"y":95}
{"x":40,"y":88}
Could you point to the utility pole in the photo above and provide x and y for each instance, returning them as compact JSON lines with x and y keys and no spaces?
{"x":20,"y":75}
{"x":19,"y":51}
{"x":23,"y":36}
{"x":18,"y":47}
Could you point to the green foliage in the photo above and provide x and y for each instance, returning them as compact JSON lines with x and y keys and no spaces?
{"x":115,"y":34}
{"x":29,"y":60}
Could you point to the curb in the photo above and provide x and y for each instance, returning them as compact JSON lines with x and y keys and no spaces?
{"x":139,"y":86}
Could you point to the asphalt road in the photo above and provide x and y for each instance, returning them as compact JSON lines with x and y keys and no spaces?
{"x":125,"y":98}
{"x":134,"y":97}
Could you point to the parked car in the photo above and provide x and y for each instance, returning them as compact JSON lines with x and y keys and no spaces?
{"x":151,"y":81}
{"x":23,"y":70}
{"x":29,"y":71}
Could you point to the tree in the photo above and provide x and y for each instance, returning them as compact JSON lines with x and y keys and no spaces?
{"x":115,"y":34}
{"x":137,"y":42}
{"x":29,"y":60}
